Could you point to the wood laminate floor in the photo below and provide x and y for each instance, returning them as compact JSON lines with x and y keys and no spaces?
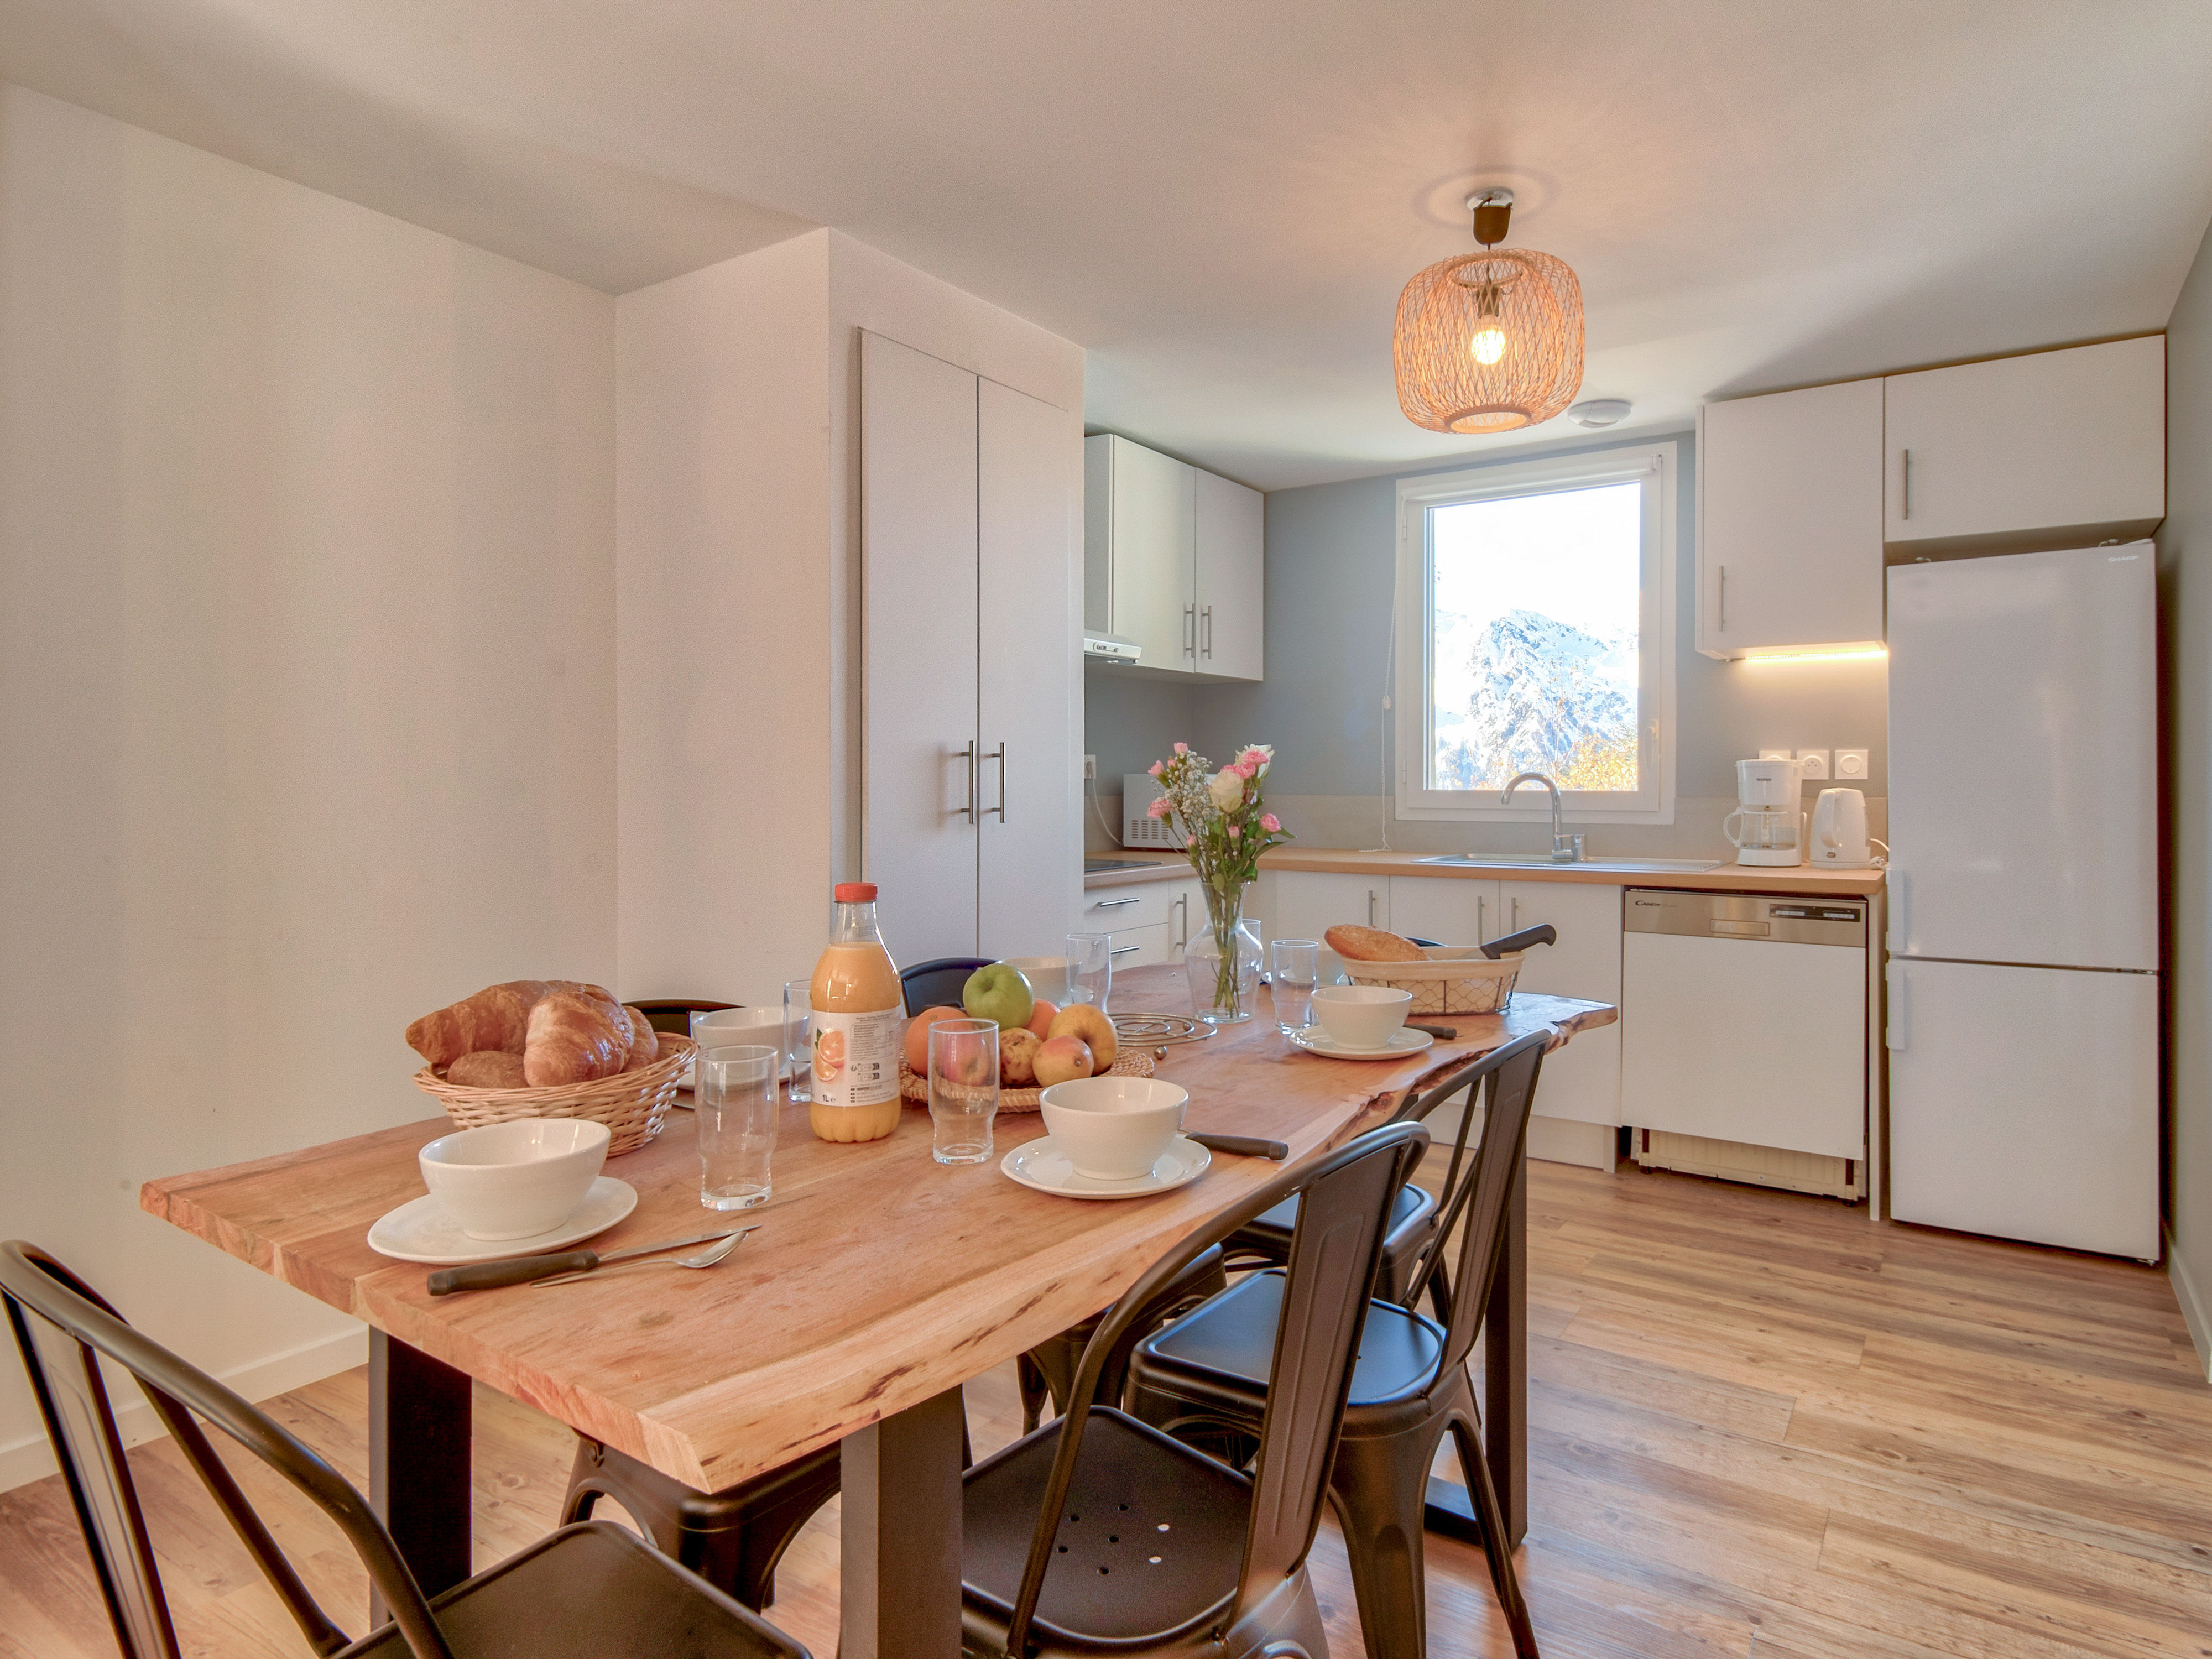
{"x":1761,"y":1427}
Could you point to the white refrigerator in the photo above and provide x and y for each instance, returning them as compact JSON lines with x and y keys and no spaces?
{"x":2023,"y":1022}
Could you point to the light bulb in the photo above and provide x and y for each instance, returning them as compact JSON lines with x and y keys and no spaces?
{"x":1487,"y":342}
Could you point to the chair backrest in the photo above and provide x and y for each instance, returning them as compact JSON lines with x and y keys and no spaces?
{"x":60,"y":1324}
{"x":1478,"y":1190}
{"x":1344,"y":1214}
{"x":932,"y":984}
{"x":674,"y":1013}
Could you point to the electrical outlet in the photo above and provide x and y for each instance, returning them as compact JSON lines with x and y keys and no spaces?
{"x":1815,"y":762}
{"x":1090,"y":769}
{"x":1775,"y":754}
{"x":1850,"y":764}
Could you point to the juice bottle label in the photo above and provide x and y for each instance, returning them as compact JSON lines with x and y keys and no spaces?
{"x":856,"y":1057}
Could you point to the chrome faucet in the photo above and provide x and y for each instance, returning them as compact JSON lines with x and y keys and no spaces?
{"x":1565,"y":849}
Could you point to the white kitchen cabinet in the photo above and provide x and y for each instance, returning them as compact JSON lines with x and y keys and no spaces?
{"x":2054,"y":449}
{"x":1581,"y":1081}
{"x":1307,"y":904}
{"x":1231,"y":581}
{"x":1174,"y":561}
{"x":1150,"y":922}
{"x":970,"y":796}
{"x":1450,"y":909}
{"x":1790,"y":521}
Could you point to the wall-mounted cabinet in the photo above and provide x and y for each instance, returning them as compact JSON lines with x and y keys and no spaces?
{"x":2054,"y":449}
{"x":1790,"y":521}
{"x":1174,"y":561}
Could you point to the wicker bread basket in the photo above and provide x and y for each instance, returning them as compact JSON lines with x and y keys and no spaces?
{"x":632,"y":1104}
{"x":914,"y":1089}
{"x":1449,"y":979}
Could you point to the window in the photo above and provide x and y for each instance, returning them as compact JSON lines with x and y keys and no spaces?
{"x":1535,"y":633}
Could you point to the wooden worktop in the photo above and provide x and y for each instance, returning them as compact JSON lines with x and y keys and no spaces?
{"x":1721,"y":878}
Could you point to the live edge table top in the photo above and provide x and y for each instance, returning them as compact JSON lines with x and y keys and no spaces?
{"x":878,"y":1278}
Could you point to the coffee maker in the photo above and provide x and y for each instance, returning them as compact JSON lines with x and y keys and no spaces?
{"x":1769,"y":815}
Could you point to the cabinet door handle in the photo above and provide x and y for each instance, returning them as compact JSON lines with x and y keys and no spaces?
{"x":1903,"y":484}
{"x":1181,"y":905}
{"x":1123,"y":949}
{"x":1208,"y":614}
{"x":968,"y":754}
{"x":1000,"y":811}
{"x":1723,"y":623}
{"x":1111,"y":904}
{"x":1481,"y":921}
{"x":1370,"y":907}
{"x":1516,"y":903}
{"x":1190,"y":630}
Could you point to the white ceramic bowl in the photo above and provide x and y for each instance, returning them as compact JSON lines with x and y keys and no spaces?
{"x":515,"y":1180}
{"x":1047,"y":975}
{"x":1361,"y":1016}
{"x":1113,"y":1129}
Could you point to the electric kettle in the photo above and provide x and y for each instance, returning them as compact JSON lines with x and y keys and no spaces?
{"x":1839,"y":831}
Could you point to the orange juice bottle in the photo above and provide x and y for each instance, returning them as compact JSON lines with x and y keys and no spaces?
{"x":860,"y":1024}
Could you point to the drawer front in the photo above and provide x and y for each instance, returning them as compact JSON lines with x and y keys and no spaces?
{"x":1141,"y":947}
{"x":1174,"y":905}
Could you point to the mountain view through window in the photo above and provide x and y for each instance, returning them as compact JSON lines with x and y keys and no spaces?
{"x":1534,"y":610}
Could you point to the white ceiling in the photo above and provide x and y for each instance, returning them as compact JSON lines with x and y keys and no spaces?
{"x":1220,"y":201}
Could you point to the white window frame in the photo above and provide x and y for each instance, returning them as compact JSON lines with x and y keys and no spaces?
{"x":1652,"y":465}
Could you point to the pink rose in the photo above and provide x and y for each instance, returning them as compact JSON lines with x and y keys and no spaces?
{"x":1158,"y":808}
{"x":1253,"y":755}
{"x":1183,"y":749}
{"x":1157,"y":768}
{"x":1236,"y":832}
{"x":1245,"y":769}
{"x":1270,"y":822}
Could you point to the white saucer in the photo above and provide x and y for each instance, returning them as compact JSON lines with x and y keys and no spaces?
{"x":422,"y":1232}
{"x":1040,"y":1164}
{"x":1403,"y":1041}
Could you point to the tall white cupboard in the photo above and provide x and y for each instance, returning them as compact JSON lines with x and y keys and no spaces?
{"x":970,"y":665}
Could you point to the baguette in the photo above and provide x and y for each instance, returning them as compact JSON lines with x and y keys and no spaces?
{"x":1356,"y":943}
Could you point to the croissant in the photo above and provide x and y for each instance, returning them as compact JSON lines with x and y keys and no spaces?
{"x":570,"y":1040}
{"x":487,"y":1068}
{"x":496,"y":1017}
{"x":645,"y":1047}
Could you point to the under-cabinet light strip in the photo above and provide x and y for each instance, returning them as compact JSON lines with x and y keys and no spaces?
{"x":1855,"y":653}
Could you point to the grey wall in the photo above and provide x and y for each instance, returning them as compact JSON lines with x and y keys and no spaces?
{"x":1331,"y":559}
{"x":2185,"y":609}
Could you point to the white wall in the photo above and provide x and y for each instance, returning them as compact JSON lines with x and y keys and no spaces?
{"x":740,"y":561}
{"x":306,"y":688}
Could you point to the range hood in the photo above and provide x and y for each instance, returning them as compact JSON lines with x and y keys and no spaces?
{"x":1107,"y":647}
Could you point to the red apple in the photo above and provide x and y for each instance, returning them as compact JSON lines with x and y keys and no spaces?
{"x":1041,"y":1020}
{"x":1061,"y":1059}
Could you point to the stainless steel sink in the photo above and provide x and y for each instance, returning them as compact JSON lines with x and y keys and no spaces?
{"x":1544,"y":861}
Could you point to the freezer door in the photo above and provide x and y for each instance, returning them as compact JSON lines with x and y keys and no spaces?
{"x":2023,"y":728}
{"x":2023,"y":1103}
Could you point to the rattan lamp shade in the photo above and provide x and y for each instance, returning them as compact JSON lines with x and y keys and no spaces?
{"x":1532,"y":298}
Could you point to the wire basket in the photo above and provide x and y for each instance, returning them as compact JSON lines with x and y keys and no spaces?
{"x":1449,"y":980}
{"x":632,"y":1104}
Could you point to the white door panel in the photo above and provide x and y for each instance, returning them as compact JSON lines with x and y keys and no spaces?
{"x":2022,"y":758}
{"x":1445,"y":909}
{"x":1232,"y":573}
{"x":917,"y":524}
{"x":1581,"y":1081}
{"x":1029,"y":718}
{"x":1307,"y":905}
{"x":2023,"y":1103}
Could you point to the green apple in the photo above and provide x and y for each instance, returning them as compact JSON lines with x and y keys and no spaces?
{"x":999,"y":992}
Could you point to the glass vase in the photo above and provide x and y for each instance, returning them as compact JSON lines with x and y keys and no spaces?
{"x":1223,"y":961}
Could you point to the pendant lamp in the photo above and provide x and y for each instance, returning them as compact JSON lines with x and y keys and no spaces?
{"x":1491,"y":341}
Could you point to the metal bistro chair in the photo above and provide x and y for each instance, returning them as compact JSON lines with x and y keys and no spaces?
{"x":674,"y":1013}
{"x":1413,"y":1223}
{"x":592,"y":1591}
{"x":1210,"y":1373}
{"x":1096,"y":1534}
{"x":939,"y":983}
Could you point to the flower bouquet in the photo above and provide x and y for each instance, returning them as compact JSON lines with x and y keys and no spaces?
{"x":1225,"y":827}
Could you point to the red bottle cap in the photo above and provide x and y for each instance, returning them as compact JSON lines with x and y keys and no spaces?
{"x":855,"y":892}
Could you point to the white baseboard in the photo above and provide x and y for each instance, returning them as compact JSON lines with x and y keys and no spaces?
{"x":32,"y":1459}
{"x":2194,"y":1311}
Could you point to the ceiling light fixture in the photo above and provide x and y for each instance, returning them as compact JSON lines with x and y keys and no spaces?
{"x":1491,"y":341}
{"x":1599,"y":411}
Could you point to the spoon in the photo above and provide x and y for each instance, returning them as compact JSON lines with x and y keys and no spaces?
{"x":706,"y":1258}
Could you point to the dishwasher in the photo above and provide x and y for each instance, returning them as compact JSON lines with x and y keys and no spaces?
{"x":1743,"y":1045}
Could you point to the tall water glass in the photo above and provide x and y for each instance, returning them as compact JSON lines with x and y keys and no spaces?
{"x":964,"y":1089}
{"x":1090,"y":968}
{"x":734,"y":1097}
{"x":1293,"y":970}
{"x":799,"y":1037}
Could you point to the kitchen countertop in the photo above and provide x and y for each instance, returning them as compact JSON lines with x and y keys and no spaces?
{"x":1721,"y":878}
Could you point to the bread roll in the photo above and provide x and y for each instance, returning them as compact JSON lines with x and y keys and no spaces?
{"x":1356,"y":943}
{"x":496,"y":1018}
{"x":487,"y":1068}
{"x":645,"y":1044}
{"x":571,"y":1039}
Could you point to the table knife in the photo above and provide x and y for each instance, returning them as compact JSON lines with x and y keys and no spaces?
{"x":1449,"y":1033}
{"x":1249,"y":1145}
{"x":521,"y":1269}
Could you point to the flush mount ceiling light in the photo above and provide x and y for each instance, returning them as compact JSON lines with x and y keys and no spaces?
{"x":1599,"y":411}
{"x":1491,"y":341}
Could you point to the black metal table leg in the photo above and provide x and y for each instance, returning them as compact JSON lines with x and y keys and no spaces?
{"x":419,"y":1463}
{"x":1506,"y":1392}
{"x":899,"y":1588}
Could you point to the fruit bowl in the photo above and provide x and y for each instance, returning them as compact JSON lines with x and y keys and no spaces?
{"x":914,"y":1089}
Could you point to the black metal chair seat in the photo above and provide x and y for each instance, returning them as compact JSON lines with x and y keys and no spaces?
{"x":1223,"y":1350}
{"x":1150,"y":1549}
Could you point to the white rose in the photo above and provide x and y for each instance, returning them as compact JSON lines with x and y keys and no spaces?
{"x":1227,"y":790}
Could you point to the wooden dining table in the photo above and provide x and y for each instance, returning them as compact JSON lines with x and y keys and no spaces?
{"x":878,"y":1282}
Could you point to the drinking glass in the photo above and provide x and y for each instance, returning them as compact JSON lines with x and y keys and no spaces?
{"x":964,"y":1089}
{"x":1294,"y":970}
{"x":1090,"y":968}
{"x":734,"y":1098}
{"x":799,"y":1037}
